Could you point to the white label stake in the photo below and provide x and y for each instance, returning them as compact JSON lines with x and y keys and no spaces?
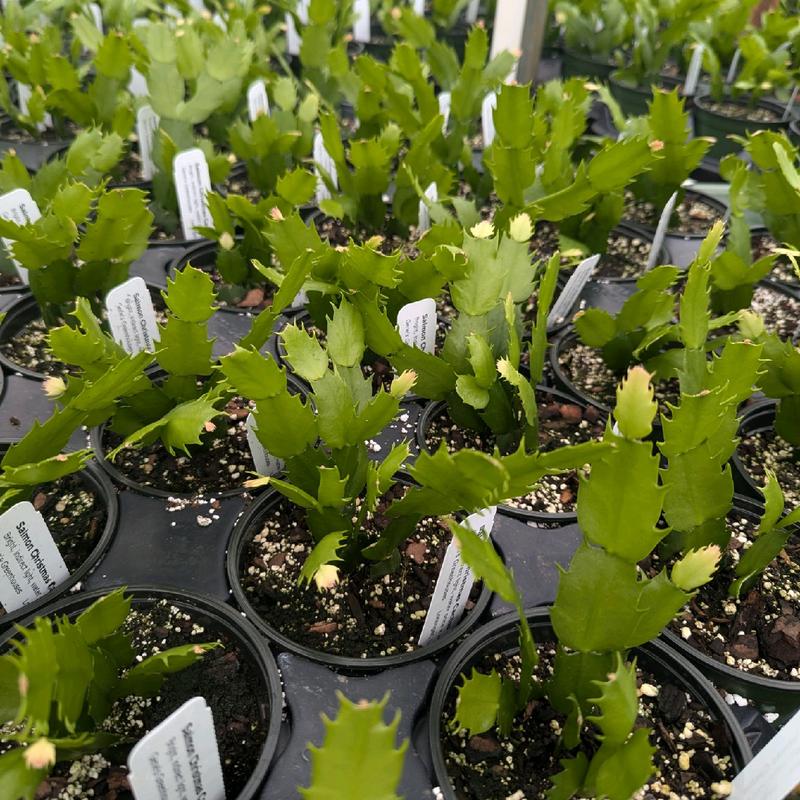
{"x":693,"y":71}
{"x":734,"y":67}
{"x":454,"y":582}
{"x":97,"y":15}
{"x":775,"y":769}
{"x":292,"y":36}
{"x":416,"y":323}
{"x":572,"y":291}
{"x":179,"y":758}
{"x":18,"y":206}
{"x":471,"y":14}
{"x":146,"y":126}
{"x":661,"y":231}
{"x":362,"y":31}
{"x":509,"y":23}
{"x":488,"y":106}
{"x":192,"y":184}
{"x":444,"y":99}
{"x":419,"y":8}
{"x":24,"y":93}
{"x":424,"y":214}
{"x":30,"y":564}
{"x":131,"y":316}
{"x":787,"y":112}
{"x":323,"y":161}
{"x":265,"y":463}
{"x":257,"y":100}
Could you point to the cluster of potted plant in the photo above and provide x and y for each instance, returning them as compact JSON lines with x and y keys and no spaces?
{"x":317,"y":330}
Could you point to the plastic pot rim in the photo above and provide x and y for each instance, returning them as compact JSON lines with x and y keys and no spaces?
{"x":557,"y":518}
{"x":225,"y":616}
{"x":488,"y":634}
{"x":240,"y":538}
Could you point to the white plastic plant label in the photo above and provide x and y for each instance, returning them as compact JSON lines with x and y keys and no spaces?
{"x":131,"y":316}
{"x":693,"y":71}
{"x":146,"y":126}
{"x":292,"y":36}
{"x":192,"y":184}
{"x":445,"y":99}
{"x":454,"y":582}
{"x":424,"y":214}
{"x":257,"y":100}
{"x":661,"y":231}
{"x":179,"y":758}
{"x":509,"y":23}
{"x":265,"y":463}
{"x":488,"y":106}
{"x":137,"y":85}
{"x":24,"y":93}
{"x":419,"y":8}
{"x":416,"y":323}
{"x":471,"y":14}
{"x":571,"y":291}
{"x":787,"y":112}
{"x":775,"y":769}
{"x":18,"y":206}
{"x":97,"y":15}
{"x":322,"y":160}
{"x":30,"y":564}
{"x":734,"y":67}
{"x":362,"y":31}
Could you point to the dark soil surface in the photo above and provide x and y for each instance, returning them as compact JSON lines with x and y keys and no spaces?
{"x":780,"y":311}
{"x":742,"y":111}
{"x":76,"y":516}
{"x":29,"y":345}
{"x":561,"y":423}
{"x":10,"y":279}
{"x":222,"y":463}
{"x":692,"y":758}
{"x":29,"y":348}
{"x":225,"y":677}
{"x":692,"y":217}
{"x":129,"y":169}
{"x":9,"y":133}
{"x":765,"y":450}
{"x":339,"y":234}
{"x":761,"y":244}
{"x":584,"y":368}
{"x":362,"y":616}
{"x":626,"y":257}
{"x":759,"y":632}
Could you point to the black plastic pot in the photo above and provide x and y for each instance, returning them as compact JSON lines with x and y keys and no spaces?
{"x":708,"y":122}
{"x":32,"y":153}
{"x":535,"y":518}
{"x":249,"y":524}
{"x":630,"y":231}
{"x":238,"y":628}
{"x":562,"y":342}
{"x":760,"y":417}
{"x":581,"y":65}
{"x":682,"y":247}
{"x":635,"y":100}
{"x":18,"y":315}
{"x":794,"y":130}
{"x":101,"y":486}
{"x":769,"y":694}
{"x":96,"y":438}
{"x":501,"y":636}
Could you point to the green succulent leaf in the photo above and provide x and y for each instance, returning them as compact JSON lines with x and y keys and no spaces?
{"x":478,"y":702}
{"x":358,"y":758}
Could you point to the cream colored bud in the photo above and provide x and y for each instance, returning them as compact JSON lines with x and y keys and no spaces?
{"x":40,"y":754}
{"x":326,"y":577}
{"x":54,"y":387}
{"x":226,"y":241}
